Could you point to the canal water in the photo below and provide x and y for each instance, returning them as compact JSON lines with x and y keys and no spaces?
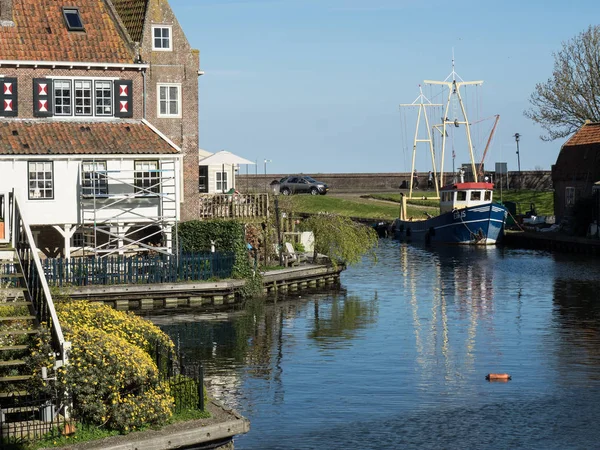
{"x":397,"y":358}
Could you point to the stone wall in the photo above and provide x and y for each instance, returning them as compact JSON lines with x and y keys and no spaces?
{"x":390,"y":182}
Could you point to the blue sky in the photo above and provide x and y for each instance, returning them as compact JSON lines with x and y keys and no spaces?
{"x":314,"y":85}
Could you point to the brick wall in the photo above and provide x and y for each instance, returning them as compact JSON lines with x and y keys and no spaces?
{"x":25,"y":76}
{"x":179,"y":66}
{"x":386,"y":182}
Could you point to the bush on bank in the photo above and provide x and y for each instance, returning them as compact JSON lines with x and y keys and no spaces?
{"x":111,"y":377}
{"x":227,"y":235}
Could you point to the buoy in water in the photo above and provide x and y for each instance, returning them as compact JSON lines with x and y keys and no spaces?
{"x":498,"y":377}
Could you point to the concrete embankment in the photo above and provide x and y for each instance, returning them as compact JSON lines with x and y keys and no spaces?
{"x":215,"y":432}
{"x":204,"y":296}
{"x":551,"y":241}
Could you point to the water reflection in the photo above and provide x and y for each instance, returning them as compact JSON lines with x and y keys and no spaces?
{"x":398,"y":359}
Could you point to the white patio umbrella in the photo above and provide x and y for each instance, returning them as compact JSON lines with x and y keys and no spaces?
{"x":224,"y":157}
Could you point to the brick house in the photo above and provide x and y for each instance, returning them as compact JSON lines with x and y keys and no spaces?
{"x":98,"y":120}
{"x":576,"y":170}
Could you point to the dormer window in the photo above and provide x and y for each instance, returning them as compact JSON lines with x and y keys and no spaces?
{"x":73,"y":19}
{"x":161,"y":38}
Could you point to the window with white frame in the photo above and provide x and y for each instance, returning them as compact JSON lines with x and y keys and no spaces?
{"x":41,"y":180}
{"x":169,"y":100}
{"x":62,"y":97}
{"x":146,"y":177}
{"x":222,"y":182}
{"x":104,"y":98}
{"x":83,"y":97}
{"x":569,"y":196}
{"x":161,"y":38}
{"x":93,"y":178}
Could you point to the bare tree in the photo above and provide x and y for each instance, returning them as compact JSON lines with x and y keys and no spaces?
{"x":572,"y":95}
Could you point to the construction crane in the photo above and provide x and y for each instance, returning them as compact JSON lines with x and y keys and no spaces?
{"x":487,"y":146}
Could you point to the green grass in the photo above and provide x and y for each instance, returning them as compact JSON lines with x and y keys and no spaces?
{"x":543,"y":201}
{"x":363,"y":208}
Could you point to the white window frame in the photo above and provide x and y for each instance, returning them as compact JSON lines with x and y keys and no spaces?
{"x":86,"y":89}
{"x":168,"y":99}
{"x":100,"y":101}
{"x":146,"y":177}
{"x":43,"y":183}
{"x":68,"y":83}
{"x":93,"y":178}
{"x":221,"y":179}
{"x":169,"y":39}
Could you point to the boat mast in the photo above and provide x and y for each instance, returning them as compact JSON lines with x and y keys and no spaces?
{"x":454,"y":82}
{"x":422,"y":102}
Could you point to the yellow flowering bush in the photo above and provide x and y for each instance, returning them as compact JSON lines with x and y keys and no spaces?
{"x":126,"y":325}
{"x":113,"y":380}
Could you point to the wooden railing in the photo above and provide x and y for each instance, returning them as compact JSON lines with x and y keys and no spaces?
{"x":36,"y":284}
{"x":217,"y":206}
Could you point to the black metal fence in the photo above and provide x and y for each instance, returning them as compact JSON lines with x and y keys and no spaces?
{"x":83,"y":271}
{"x":26,"y":418}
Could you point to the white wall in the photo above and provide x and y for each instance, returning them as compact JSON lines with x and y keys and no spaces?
{"x":65,"y":207}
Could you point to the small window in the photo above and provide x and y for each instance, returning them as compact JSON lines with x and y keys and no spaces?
{"x":146,"y":177}
{"x":461,"y":196}
{"x":83,"y":98}
{"x":93,"y":178}
{"x":104,"y":98}
{"x":73,"y":19}
{"x":161,"y":38}
{"x":62,"y":97}
{"x":203,"y":179}
{"x":488,"y":196}
{"x":41,"y":180}
{"x":569,"y":196}
{"x":476,"y":196}
{"x":169,"y":99}
{"x":222,"y":182}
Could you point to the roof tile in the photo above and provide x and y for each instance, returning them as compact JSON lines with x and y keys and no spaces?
{"x":40,"y":33}
{"x":47,"y":137}
{"x":132,"y":13}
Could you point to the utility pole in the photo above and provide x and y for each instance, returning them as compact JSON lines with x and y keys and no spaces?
{"x":266,"y":182}
{"x":517,"y":137}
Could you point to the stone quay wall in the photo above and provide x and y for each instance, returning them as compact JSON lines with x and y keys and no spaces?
{"x":539,"y":180}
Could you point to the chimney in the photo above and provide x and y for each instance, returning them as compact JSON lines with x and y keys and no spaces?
{"x":6,"y":10}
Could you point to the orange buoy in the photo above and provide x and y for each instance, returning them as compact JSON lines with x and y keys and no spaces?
{"x":498,"y":377}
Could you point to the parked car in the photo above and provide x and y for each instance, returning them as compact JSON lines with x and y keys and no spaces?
{"x":298,"y":184}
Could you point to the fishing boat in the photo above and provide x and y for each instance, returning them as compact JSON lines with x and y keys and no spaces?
{"x":468,"y":214}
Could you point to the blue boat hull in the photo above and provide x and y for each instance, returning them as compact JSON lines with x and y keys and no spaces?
{"x":476,"y":225}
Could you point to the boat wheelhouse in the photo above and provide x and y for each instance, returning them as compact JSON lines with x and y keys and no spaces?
{"x":464,"y":195}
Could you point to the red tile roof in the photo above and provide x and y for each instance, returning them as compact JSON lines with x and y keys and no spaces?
{"x":40,"y":33}
{"x":587,"y":134}
{"x":51,"y":137}
{"x":132,"y":13}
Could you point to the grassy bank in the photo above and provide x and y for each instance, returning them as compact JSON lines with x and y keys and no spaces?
{"x":356,"y":207}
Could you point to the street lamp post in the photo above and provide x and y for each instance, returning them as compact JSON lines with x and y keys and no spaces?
{"x":517,"y":137}
{"x":275,"y":187}
{"x":266,"y":161}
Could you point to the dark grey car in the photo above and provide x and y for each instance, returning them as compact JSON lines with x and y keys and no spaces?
{"x":298,"y":184}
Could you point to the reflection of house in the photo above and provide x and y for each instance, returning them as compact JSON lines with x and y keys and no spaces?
{"x":576,"y":170}
{"x":98,"y":120}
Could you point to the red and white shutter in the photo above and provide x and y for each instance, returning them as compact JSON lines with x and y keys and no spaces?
{"x":8,"y":97}
{"x":42,"y":97}
{"x":123,"y":93}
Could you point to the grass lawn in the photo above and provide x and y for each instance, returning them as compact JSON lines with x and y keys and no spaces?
{"x":363,"y":208}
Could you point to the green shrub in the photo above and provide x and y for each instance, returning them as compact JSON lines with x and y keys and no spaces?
{"x":112,"y":378}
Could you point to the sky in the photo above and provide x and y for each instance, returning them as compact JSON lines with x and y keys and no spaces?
{"x":314,"y":86}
